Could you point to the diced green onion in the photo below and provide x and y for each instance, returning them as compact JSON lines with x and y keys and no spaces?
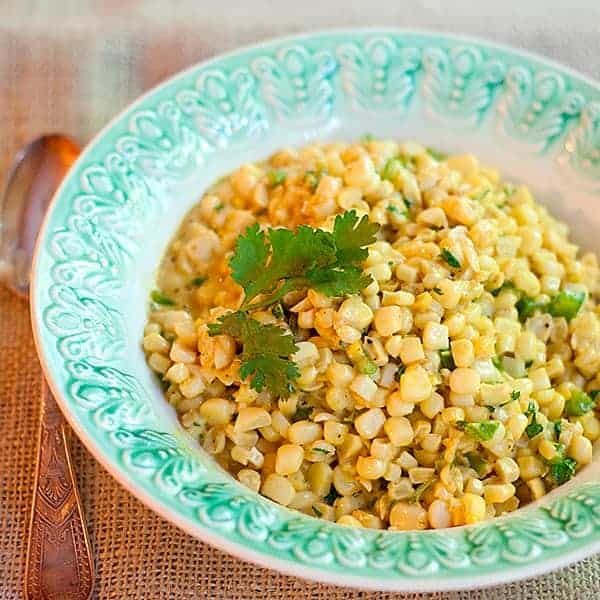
{"x":566,"y":304}
{"x":391,"y":169}
{"x":483,"y":431}
{"x":526,"y":307}
{"x":578,"y":404}
{"x":446,"y":360}
{"x":161,"y":298}
{"x":477,"y":463}
{"x":276,"y":177}
{"x":450,"y":258}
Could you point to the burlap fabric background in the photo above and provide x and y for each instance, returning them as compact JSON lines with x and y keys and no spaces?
{"x":70,"y":66}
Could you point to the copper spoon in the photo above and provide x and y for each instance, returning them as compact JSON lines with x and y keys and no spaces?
{"x":59,"y":559}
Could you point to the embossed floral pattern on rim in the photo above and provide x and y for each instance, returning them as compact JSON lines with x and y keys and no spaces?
{"x":88,"y":247}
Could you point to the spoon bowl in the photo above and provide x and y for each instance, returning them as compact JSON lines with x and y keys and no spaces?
{"x":32,"y":180}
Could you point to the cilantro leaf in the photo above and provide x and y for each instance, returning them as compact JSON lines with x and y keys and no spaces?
{"x":265,"y":354}
{"x":250,"y":259}
{"x":351,"y":236}
{"x":283,"y":260}
{"x":271,"y":372}
{"x":337,"y":282}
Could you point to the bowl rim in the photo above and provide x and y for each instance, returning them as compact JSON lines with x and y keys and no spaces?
{"x":202,"y":532}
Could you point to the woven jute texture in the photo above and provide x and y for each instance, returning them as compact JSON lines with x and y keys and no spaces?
{"x":70,"y":65}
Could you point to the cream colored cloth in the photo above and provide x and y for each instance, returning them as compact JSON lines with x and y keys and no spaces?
{"x":70,"y":66}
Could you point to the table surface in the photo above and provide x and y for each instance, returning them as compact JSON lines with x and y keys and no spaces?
{"x":70,"y":66}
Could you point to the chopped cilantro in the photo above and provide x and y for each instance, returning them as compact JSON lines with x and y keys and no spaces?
{"x":450,"y":258}
{"x":557,"y":428}
{"x":265,"y":354}
{"x":438,"y":291}
{"x":312,"y":178}
{"x":317,"y":512}
{"x":331,"y":496}
{"x":198,"y":281}
{"x":161,"y":298}
{"x":514,"y":395}
{"x":283,"y":260}
{"x":395,"y":210}
{"x":507,"y":285}
{"x":528,"y":363}
{"x":302,"y":412}
{"x":399,"y":371}
{"x":421,"y":489}
{"x":527,"y":306}
{"x":322,"y":450}
{"x":276,"y":177}
{"x":534,"y":428}
{"x":219,"y":207}
{"x":562,"y":469}
{"x":566,"y":304}
{"x":578,"y":404}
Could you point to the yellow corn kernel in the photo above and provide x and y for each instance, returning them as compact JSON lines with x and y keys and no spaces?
{"x":320,"y":476}
{"x":369,"y":424}
{"x":530,"y":467}
{"x":278,"y":488}
{"x":435,"y":336}
{"x":411,"y":350}
{"x":415,"y":384}
{"x":304,"y":432}
{"x":462,"y":352}
{"x":288,"y":459}
{"x":464,"y":381}
{"x":537,"y":488}
{"x":405,"y":516}
{"x":252,"y":418}
{"x":495,"y":493}
{"x":580,"y":449}
{"x":474,"y":508}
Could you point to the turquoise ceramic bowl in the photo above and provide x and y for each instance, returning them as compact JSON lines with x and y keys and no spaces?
{"x":110,"y":222}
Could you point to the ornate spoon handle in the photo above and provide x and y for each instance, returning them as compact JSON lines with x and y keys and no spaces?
{"x":59,"y":560}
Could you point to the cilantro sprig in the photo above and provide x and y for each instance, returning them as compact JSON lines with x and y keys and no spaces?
{"x":280,"y":261}
{"x":534,"y":428}
{"x":265,"y":354}
{"x":273,"y":263}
